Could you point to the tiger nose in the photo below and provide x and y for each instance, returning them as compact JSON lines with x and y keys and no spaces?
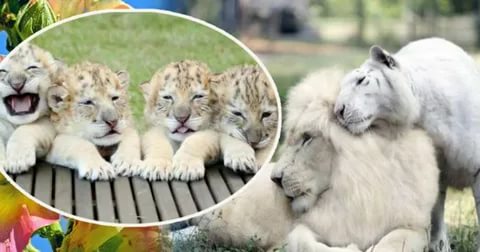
{"x":340,"y":111}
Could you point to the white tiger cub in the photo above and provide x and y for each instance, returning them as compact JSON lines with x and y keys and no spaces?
{"x":431,"y":83}
{"x":245,"y":124}
{"x":178,"y":103}
{"x":25,"y":130}
{"x":90,"y":111}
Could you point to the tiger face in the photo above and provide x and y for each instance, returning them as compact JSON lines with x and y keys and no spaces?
{"x":24,"y":80}
{"x":247,"y":108}
{"x":90,"y":100}
{"x":179,"y":99}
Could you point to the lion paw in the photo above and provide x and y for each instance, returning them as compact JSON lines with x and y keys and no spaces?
{"x":154,"y":169}
{"x":96,"y":170}
{"x":125,"y":165}
{"x":240,"y":161}
{"x":187,"y":167}
{"x":20,"y":157}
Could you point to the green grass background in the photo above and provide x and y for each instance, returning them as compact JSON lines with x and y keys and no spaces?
{"x":140,"y":43}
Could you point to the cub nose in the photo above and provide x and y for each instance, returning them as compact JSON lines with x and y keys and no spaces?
{"x":340,"y":111}
{"x":182,"y":118}
{"x":112,"y":124}
{"x":17,"y":82}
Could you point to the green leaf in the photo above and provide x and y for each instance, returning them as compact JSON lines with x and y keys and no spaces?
{"x":112,"y":244}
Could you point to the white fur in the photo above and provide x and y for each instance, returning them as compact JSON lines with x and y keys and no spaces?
{"x":436,"y":85}
{"x":348,"y":192}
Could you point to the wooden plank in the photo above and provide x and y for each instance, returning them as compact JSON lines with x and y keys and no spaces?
{"x":104,"y":201}
{"x":43,"y":183}
{"x":26,"y":180}
{"x":63,"y":188}
{"x":234,"y":181}
{"x":183,"y":198}
{"x":201,"y":194}
{"x":144,"y":200}
{"x":124,"y":199}
{"x":164,"y":198}
{"x":217,"y":185}
{"x":83,"y":198}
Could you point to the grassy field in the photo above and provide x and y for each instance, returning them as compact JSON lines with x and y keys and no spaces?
{"x":141,"y":44}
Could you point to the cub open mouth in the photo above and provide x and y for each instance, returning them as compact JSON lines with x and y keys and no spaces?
{"x":21,"y":104}
{"x":183,"y":130}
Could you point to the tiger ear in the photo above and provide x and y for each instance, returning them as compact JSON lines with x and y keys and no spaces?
{"x":145,"y":86}
{"x":380,"y":55}
{"x":124,"y":78}
{"x":56,"y":98}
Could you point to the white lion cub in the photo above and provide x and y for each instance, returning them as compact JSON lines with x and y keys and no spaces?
{"x":244,"y":124}
{"x":90,"y":111}
{"x":25,"y":130}
{"x":431,"y":83}
{"x":178,"y":103}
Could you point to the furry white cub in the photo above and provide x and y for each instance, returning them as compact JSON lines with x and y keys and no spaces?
{"x":372,"y":192}
{"x":25,"y":131}
{"x":431,"y":83}
{"x":91,"y":114}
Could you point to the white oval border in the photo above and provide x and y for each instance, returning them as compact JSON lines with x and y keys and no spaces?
{"x":185,"y":17}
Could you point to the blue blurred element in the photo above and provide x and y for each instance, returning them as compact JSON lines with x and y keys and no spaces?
{"x":3,"y":43}
{"x":172,"y":5}
{"x":41,"y":244}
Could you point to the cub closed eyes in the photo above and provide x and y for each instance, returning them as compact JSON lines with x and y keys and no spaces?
{"x":87,"y":102}
{"x":32,"y":67}
{"x":167,"y":97}
{"x":266,"y":114}
{"x":114,"y":98}
{"x":198,"y":96}
{"x":237,"y":113}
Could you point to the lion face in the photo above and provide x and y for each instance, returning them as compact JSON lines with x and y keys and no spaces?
{"x":377,"y":91}
{"x":91,"y":102}
{"x":24,"y":79}
{"x":248,"y":106}
{"x":304,"y":168}
{"x":179,"y":99}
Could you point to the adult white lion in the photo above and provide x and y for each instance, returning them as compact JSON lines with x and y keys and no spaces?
{"x":431,"y":83}
{"x":347,"y":192}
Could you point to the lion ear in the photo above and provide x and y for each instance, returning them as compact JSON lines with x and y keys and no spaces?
{"x":380,"y":55}
{"x":124,"y":78}
{"x":145,"y":86}
{"x":56,"y":98}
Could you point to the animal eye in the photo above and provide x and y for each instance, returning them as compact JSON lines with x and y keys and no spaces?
{"x":32,"y":67}
{"x":114,"y":98}
{"x":306,"y":138}
{"x":266,"y":114}
{"x":87,"y":102}
{"x":2,"y":71}
{"x":167,"y":97}
{"x":359,"y":81}
{"x":237,"y":113}
{"x":198,"y":96}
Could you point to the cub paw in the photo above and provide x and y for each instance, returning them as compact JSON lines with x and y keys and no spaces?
{"x":96,"y":170}
{"x":125,"y":165}
{"x":187,"y":167}
{"x":241,"y":161}
{"x":155,"y":169}
{"x":20,"y":157}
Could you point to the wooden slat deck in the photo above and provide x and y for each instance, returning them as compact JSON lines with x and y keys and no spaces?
{"x":128,"y":200}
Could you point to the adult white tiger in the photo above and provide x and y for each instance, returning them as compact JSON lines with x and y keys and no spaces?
{"x":25,"y":131}
{"x":431,"y":83}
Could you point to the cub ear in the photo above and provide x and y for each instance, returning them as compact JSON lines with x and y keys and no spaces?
{"x":56,"y":98}
{"x":382,"y":56}
{"x":145,"y":86}
{"x":124,"y":78}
